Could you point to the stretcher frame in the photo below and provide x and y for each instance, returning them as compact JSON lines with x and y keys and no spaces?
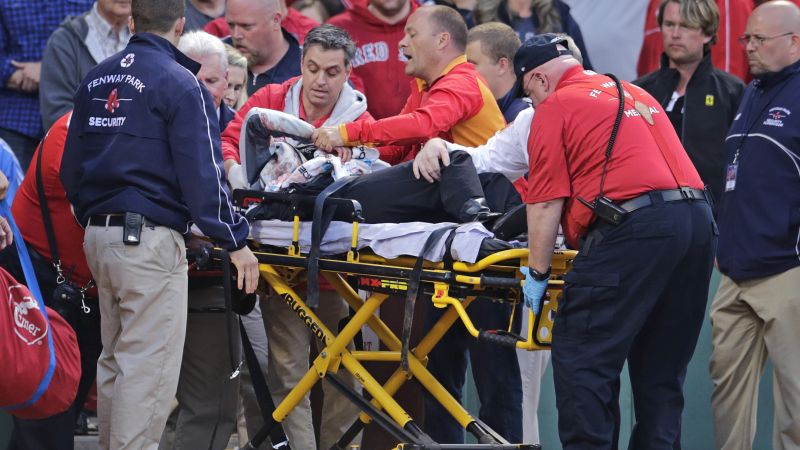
{"x":453,"y":288}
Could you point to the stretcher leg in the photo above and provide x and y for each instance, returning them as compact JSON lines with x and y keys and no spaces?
{"x":382,"y":408}
{"x":334,"y":352}
{"x":418,"y":369}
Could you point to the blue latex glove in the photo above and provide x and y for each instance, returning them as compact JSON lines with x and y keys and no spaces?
{"x":533,"y":290}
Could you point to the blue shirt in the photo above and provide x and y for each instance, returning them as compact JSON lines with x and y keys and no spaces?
{"x":11,"y":169}
{"x":511,"y":105}
{"x":26,"y":26}
{"x":287,"y":67}
{"x":144,"y":137}
{"x":759,"y":220}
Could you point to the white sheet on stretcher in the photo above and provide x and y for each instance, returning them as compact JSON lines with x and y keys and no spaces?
{"x":388,"y":240}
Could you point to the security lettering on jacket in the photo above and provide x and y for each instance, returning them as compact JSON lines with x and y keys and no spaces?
{"x":144,"y":137}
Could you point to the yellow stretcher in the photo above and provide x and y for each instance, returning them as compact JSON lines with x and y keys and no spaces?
{"x":496,"y":276}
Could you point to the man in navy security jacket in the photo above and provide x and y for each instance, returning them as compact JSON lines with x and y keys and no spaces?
{"x":141,"y":162}
{"x":756,"y":311}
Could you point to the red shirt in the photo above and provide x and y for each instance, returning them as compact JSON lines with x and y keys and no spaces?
{"x":26,"y":211}
{"x":379,"y":63}
{"x":457,"y":107}
{"x":726,"y":54}
{"x":567,"y":144}
{"x":272,"y":96}
{"x":295,"y":23}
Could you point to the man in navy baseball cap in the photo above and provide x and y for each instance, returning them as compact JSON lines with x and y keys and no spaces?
{"x":536,"y":51}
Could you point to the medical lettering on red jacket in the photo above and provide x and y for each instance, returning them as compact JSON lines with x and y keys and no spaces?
{"x":568,"y":138}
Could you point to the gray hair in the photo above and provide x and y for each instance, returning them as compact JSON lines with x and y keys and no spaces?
{"x":572,"y":47}
{"x":331,"y":37}
{"x":197,"y":44}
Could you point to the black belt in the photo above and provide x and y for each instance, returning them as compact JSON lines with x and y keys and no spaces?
{"x":115,"y":220}
{"x":671,"y":195}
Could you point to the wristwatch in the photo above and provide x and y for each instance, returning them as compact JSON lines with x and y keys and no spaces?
{"x":539,"y":276}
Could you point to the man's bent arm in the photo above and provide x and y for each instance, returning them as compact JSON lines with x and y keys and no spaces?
{"x":198,"y":164}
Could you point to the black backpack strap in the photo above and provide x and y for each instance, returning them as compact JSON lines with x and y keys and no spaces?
{"x":321,"y":220}
{"x":413,"y":292}
{"x":48,"y":222}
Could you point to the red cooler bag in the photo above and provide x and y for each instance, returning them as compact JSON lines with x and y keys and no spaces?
{"x":39,"y":358}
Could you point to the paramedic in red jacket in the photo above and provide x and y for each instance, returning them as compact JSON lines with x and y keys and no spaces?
{"x":641,"y":275}
{"x":449,"y":99}
{"x":377,"y":28}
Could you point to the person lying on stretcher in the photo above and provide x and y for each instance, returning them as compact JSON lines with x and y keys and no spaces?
{"x":290,"y":112}
{"x":275,"y":158}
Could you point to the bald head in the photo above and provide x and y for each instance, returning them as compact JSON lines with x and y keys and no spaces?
{"x":541,"y":81}
{"x":256,"y":32}
{"x":780,"y":13}
{"x":773,"y":37}
{"x":434,"y":36}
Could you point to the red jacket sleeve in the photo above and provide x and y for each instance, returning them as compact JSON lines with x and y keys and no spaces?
{"x":266,"y":97}
{"x":449,"y":101}
{"x":395,"y":154}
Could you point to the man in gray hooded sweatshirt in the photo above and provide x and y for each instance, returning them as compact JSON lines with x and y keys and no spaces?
{"x":74,"y":48}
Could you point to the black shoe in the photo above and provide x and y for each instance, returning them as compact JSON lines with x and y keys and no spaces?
{"x":477,"y":210}
{"x":513,"y":224}
{"x":82,"y":424}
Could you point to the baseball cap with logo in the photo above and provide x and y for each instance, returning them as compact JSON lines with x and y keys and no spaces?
{"x":538,"y":50}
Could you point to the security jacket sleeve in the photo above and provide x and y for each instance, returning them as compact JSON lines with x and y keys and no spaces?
{"x":193,"y":131}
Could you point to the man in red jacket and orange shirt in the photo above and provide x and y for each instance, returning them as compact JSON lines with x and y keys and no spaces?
{"x":448,"y":98}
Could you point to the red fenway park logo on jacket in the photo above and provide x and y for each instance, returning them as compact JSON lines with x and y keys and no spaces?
{"x":29,"y":323}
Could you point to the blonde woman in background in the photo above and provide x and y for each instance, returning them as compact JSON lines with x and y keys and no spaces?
{"x":235,"y":94}
{"x":531,"y":17}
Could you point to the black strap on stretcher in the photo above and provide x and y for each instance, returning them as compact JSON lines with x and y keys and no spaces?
{"x":277,"y":437}
{"x":413,"y":292}
{"x":321,"y":220}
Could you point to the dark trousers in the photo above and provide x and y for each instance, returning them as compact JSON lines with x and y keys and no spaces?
{"x":22,"y":145}
{"x":501,"y":195}
{"x":393,"y":195}
{"x":636,"y":292}
{"x":494,"y":368}
{"x":56,"y":432}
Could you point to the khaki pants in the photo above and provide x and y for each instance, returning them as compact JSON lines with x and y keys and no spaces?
{"x":750,"y":321}
{"x":143,"y":302}
{"x":289,"y":341}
